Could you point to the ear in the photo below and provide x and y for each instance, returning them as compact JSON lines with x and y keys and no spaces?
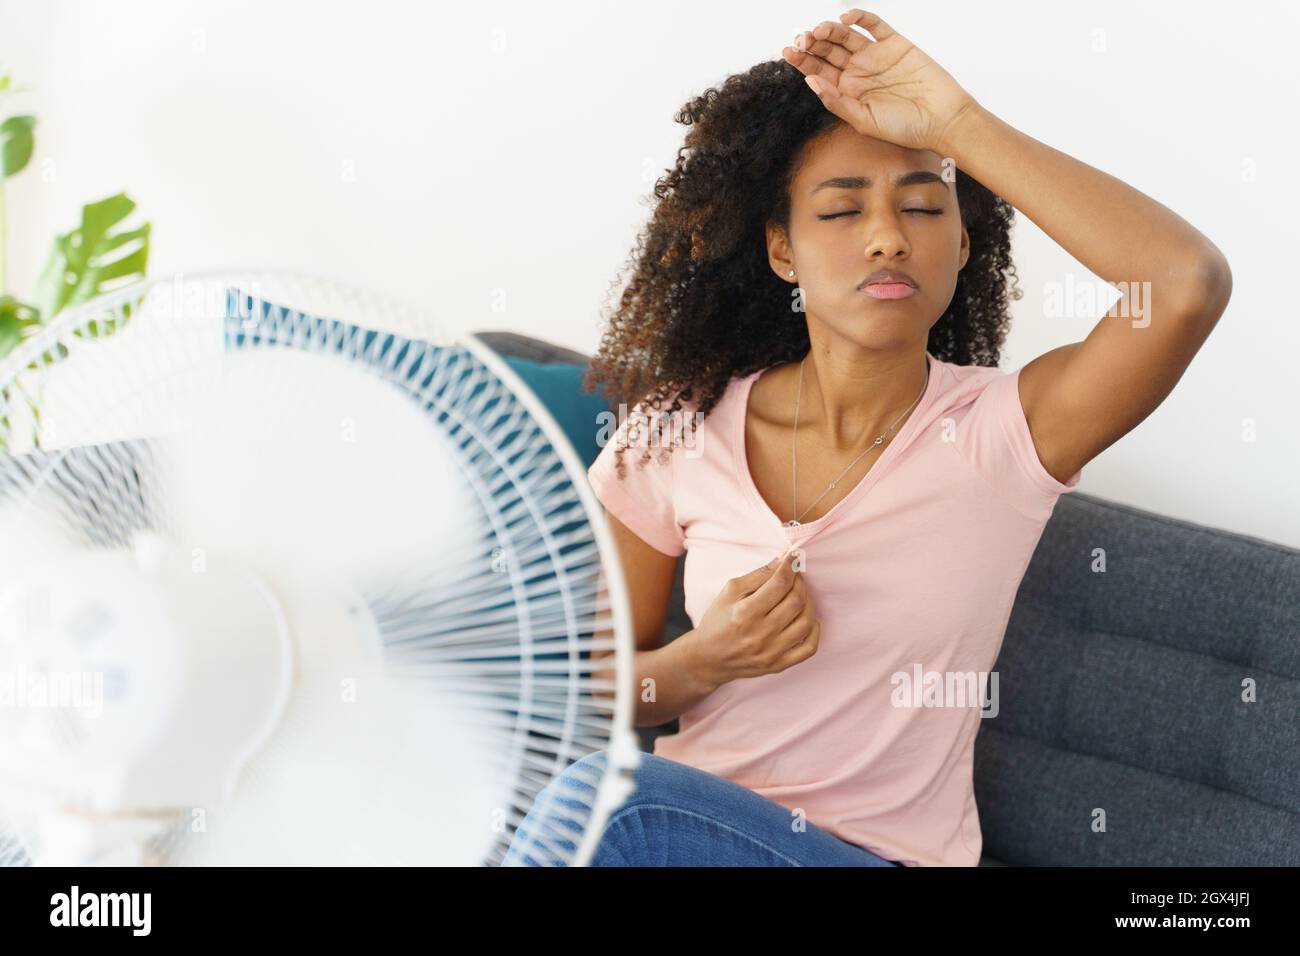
{"x":965,"y":249}
{"x":779,"y":254}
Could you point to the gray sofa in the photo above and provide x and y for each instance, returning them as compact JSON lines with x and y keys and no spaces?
{"x":1149,"y":713}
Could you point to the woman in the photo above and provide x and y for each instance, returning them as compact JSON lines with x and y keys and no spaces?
{"x":814,"y":324}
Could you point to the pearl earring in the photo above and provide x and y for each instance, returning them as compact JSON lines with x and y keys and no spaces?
{"x":791,"y":273}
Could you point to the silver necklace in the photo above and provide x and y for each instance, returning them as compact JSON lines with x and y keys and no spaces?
{"x":794,"y":447}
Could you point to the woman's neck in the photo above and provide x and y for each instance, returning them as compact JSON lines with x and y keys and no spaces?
{"x":848,"y":399}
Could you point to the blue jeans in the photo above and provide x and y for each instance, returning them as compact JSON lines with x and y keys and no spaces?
{"x":677,"y":816}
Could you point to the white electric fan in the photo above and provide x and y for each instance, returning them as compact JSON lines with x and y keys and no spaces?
{"x":292,"y":574}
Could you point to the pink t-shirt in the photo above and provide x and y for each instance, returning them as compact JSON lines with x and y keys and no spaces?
{"x":912,"y":575}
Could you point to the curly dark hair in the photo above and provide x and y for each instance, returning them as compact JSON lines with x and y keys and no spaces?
{"x":703,"y":304}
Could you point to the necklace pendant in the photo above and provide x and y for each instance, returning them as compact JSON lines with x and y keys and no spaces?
{"x":792,"y":523}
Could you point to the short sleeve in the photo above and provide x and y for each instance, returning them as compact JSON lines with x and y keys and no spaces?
{"x":994,"y":438}
{"x":643,"y":498}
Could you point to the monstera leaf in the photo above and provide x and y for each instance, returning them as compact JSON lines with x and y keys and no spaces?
{"x":17,"y":321}
{"x":13,"y":317}
{"x":94,"y":259}
{"x":16,"y":143}
{"x":97,"y":257}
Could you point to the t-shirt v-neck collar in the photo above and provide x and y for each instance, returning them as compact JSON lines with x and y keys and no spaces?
{"x":803,"y":532}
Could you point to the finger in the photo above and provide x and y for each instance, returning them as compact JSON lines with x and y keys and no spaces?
{"x":760,"y":574}
{"x":747,"y":584}
{"x":878,"y":28}
{"x":771,"y":591}
{"x":787,"y":610}
{"x":801,"y":651}
{"x":846,"y":108}
{"x":810,"y":65}
{"x":834,"y":54}
{"x":840,"y":35}
{"x":831,"y":42}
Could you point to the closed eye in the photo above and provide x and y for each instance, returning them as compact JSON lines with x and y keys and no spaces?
{"x":854,"y":212}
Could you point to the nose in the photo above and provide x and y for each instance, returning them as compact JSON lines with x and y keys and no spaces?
{"x":885,"y":240}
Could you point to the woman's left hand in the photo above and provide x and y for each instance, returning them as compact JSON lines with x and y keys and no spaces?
{"x":886,"y":88}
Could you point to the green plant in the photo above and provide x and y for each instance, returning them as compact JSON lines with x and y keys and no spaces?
{"x":96,"y":257}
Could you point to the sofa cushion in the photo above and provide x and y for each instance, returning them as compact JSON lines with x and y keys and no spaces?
{"x":557,"y":384}
{"x":1147,"y":711}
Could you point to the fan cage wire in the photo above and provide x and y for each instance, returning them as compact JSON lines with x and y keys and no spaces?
{"x":400,"y":320}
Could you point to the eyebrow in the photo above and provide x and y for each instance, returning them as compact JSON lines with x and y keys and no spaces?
{"x":914,"y":178}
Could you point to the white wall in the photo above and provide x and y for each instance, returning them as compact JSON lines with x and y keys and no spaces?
{"x":494,"y":160}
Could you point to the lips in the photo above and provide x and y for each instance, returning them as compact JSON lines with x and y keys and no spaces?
{"x":888,"y":290}
{"x":888,"y":285}
{"x":888,"y":276}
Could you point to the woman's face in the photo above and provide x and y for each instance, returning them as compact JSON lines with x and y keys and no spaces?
{"x":858,"y":206}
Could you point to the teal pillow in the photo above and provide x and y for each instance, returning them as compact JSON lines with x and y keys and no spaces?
{"x":558,"y":385}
